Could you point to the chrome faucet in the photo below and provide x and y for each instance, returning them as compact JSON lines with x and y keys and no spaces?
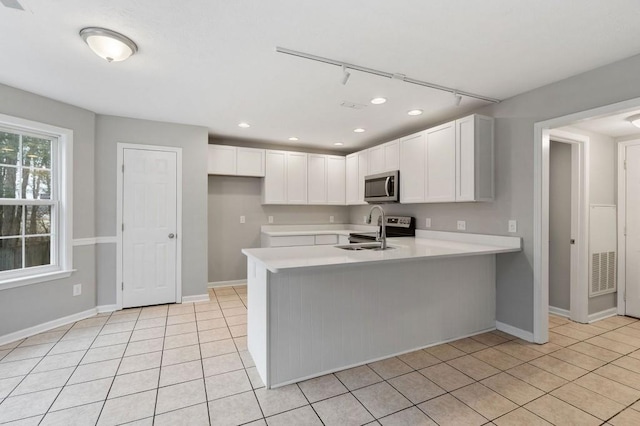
{"x":383,"y":235}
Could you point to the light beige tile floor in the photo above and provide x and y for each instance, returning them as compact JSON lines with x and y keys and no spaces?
{"x":188,"y":364}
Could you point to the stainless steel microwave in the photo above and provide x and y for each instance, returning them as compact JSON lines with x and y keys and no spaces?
{"x":382,"y":188}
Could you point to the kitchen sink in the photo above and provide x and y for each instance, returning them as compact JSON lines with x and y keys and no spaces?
{"x":364,"y":246}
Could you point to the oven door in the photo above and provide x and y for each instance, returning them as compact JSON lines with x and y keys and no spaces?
{"x":382,"y":188}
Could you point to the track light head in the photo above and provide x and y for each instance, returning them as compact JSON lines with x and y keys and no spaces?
{"x":457,"y":99}
{"x":345,"y":75}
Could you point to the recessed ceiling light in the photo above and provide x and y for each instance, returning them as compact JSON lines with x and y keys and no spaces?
{"x":358,"y":130}
{"x":635,"y":120}
{"x":244,"y":125}
{"x":109,"y":45}
{"x":293,"y":138}
{"x":415,"y":112}
{"x":378,"y":101}
{"x":338,"y":144}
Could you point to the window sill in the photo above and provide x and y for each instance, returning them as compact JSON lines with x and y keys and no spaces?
{"x":34,"y":279}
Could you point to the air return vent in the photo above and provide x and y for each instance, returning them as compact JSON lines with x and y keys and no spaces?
{"x":602,"y":250}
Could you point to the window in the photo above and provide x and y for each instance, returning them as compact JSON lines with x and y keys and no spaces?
{"x":34,"y":233}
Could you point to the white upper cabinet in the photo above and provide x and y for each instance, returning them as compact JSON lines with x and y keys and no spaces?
{"x":222,"y":160}
{"x":384,"y":158}
{"x":235,"y":161}
{"x":474,"y":158}
{"x":317,"y":173}
{"x":250,"y":162}
{"x":336,"y":185}
{"x":363,"y":170}
{"x":440,"y":150}
{"x":351,"y":176}
{"x":412,"y":168}
{"x":296,"y":178}
{"x":274,"y":185}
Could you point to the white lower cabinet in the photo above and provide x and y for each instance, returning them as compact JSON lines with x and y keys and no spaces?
{"x":303,"y":240}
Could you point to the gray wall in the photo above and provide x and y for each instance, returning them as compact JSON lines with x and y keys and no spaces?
{"x":31,"y":305}
{"x":515,"y":119}
{"x":560,"y":225}
{"x":193,"y":140}
{"x":232,"y":196}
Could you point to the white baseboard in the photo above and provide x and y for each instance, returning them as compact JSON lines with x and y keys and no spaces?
{"x":50,"y":325}
{"x":217,"y":284}
{"x":106,"y":308}
{"x":559,"y":311}
{"x":196,"y":298}
{"x":602,"y":315}
{"x":523,"y":334}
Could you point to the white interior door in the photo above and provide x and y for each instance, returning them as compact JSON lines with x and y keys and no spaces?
{"x":632,"y":195}
{"x":149,"y":218}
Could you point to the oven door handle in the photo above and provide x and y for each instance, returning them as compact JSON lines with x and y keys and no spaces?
{"x":386,"y":186}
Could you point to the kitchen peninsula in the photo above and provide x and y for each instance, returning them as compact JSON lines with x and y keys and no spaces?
{"x":317,"y":309}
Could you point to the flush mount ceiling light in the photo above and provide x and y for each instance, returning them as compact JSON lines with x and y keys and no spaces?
{"x":379,"y":73}
{"x":338,"y":144}
{"x":358,"y":130}
{"x":244,"y":125}
{"x":378,"y":101}
{"x":293,"y":138}
{"x":109,"y":45}
{"x":415,"y":112}
{"x":635,"y":120}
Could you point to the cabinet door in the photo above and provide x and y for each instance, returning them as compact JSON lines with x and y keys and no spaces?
{"x":336,"y":180}
{"x":351,"y":177}
{"x":296,"y":178}
{"x":274,"y":189}
{"x":363,"y":160}
{"x":250,"y":162}
{"x":317,"y":179}
{"x":391,"y":156}
{"x":412,"y":173}
{"x":441,"y":163}
{"x":221,"y":160}
{"x":376,"y":160}
{"x":465,"y":159}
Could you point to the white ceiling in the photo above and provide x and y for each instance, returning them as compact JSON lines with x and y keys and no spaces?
{"x":616,"y":126}
{"x":213,"y":62}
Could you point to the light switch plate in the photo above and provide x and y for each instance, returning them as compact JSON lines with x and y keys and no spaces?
{"x":77,"y":289}
{"x":331,"y":219}
{"x":462,"y":225}
{"x":270,"y":219}
{"x":427,"y":222}
{"x":513,"y":226}
{"x":242,"y":219}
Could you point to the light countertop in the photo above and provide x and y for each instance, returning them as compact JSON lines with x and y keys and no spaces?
{"x":426,"y":245}
{"x":329,"y":229}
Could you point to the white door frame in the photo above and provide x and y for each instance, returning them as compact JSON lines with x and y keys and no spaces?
{"x":579,"y":288}
{"x":541,"y":207}
{"x":119,"y":172}
{"x":622,"y":219}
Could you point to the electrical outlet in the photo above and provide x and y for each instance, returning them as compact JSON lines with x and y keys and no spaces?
{"x":462,"y":225}
{"x":513,"y":226}
{"x":331,"y":218}
{"x":77,"y":289}
{"x":242,"y":219}
{"x":270,"y":219}
{"x":427,"y":222}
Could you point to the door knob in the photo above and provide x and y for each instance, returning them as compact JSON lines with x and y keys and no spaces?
{"x":171,"y":235}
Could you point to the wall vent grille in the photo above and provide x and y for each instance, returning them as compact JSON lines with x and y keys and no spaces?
{"x":603,"y":273}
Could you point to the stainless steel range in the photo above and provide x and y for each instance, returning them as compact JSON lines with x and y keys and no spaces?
{"x":396,"y":226}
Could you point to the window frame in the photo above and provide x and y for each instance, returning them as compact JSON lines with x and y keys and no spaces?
{"x":62,"y":219}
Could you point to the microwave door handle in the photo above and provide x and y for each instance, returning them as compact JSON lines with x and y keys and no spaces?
{"x":386,"y":186}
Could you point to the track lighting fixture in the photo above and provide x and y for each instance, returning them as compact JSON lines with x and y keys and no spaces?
{"x":345,"y":75}
{"x":379,"y":73}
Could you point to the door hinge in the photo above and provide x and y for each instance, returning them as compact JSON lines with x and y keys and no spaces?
{"x":625,"y":164}
{"x":123,"y":226}
{"x":123,"y":168}
{"x":625,"y":231}
{"x":624,"y":295}
{"x":122,"y":287}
